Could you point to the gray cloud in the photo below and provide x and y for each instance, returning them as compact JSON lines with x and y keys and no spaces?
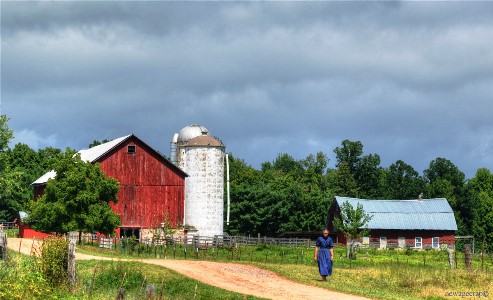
{"x":412,"y":81}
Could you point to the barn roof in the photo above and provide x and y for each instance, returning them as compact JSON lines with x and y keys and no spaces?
{"x":425,"y":214}
{"x":95,"y":153}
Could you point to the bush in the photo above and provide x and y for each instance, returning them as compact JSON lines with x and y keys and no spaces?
{"x":54,"y":260}
{"x":21,"y":278}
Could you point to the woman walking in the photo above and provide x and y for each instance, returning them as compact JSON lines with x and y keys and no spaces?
{"x":324,"y":254}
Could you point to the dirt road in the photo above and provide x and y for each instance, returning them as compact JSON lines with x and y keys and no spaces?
{"x":240,"y":278}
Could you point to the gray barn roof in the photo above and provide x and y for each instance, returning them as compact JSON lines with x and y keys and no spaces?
{"x":426,"y":214}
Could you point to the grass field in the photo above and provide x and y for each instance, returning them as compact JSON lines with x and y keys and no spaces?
{"x":380,"y":274}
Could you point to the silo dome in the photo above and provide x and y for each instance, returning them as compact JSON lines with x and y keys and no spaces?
{"x":190,"y":132}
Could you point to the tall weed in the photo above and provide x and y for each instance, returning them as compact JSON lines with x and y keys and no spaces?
{"x":54,"y":260}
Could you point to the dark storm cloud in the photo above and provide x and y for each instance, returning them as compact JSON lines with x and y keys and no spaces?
{"x":412,"y":81}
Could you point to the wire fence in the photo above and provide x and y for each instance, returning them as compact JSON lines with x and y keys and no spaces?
{"x":201,"y":242}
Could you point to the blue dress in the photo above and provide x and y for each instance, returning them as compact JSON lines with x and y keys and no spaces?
{"x":324,"y":263}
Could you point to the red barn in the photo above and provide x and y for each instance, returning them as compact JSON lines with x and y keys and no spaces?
{"x":151,"y":187}
{"x":418,"y":224}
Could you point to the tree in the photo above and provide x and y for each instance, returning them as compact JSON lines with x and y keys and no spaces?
{"x":25,"y":162}
{"x":286,"y":195}
{"x":349,"y":154}
{"x":9,"y":179}
{"x":368,"y":173}
{"x":97,"y":143}
{"x":5,"y":133}
{"x":77,"y":199}
{"x":357,"y":175}
{"x":353,"y":223}
{"x":480,"y":189}
{"x":444,"y":179}
{"x":402,"y":182}
{"x":343,"y":181}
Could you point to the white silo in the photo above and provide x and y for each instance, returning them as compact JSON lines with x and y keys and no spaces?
{"x":201,"y":156}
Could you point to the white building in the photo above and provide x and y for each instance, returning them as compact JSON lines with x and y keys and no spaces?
{"x":201,"y":156}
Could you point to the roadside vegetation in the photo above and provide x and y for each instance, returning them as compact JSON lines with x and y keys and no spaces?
{"x":21,"y":277}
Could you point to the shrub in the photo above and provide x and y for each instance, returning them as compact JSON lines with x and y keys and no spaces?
{"x":54,"y":260}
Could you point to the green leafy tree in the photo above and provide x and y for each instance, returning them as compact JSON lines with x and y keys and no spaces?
{"x":5,"y":133}
{"x":9,"y":178}
{"x":353,"y":223}
{"x":47,"y":158}
{"x":368,"y":174}
{"x":245,"y":192}
{"x":343,"y":181}
{"x":444,"y":179}
{"x":349,"y":153}
{"x":77,"y":199}
{"x":402,"y":182}
{"x":25,"y":162}
{"x":480,"y":189}
{"x":97,"y":143}
{"x":285,"y":195}
{"x":356,"y":175}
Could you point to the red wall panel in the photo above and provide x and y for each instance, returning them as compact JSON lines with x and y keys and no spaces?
{"x":446,"y":236}
{"x":151,"y":189}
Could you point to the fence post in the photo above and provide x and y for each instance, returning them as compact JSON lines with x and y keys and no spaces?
{"x":482,"y":256}
{"x":451,"y":257}
{"x":467,"y":256}
{"x":71,"y":264}
{"x":3,"y":245}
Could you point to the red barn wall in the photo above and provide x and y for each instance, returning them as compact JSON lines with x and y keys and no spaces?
{"x":445,"y":236}
{"x":27,"y":232}
{"x":151,"y":188}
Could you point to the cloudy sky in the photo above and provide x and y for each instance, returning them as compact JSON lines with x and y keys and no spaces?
{"x":410,"y":80}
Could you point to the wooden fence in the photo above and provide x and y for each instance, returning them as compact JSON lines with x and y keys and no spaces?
{"x":7,"y":225}
{"x":202,"y":242}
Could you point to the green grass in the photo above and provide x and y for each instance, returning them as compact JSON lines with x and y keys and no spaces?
{"x":21,"y":278}
{"x":11,"y":233}
{"x":390,"y":281}
{"x":134,"y":277}
{"x":380,"y":274}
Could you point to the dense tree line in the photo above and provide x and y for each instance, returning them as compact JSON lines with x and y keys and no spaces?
{"x":294,"y":195}
{"x":19,"y":167}
{"x":288,"y":194}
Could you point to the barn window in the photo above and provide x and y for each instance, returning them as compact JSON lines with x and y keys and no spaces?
{"x":131,"y":149}
{"x":418,"y":243}
{"x":436,"y":243}
{"x":366,"y":240}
